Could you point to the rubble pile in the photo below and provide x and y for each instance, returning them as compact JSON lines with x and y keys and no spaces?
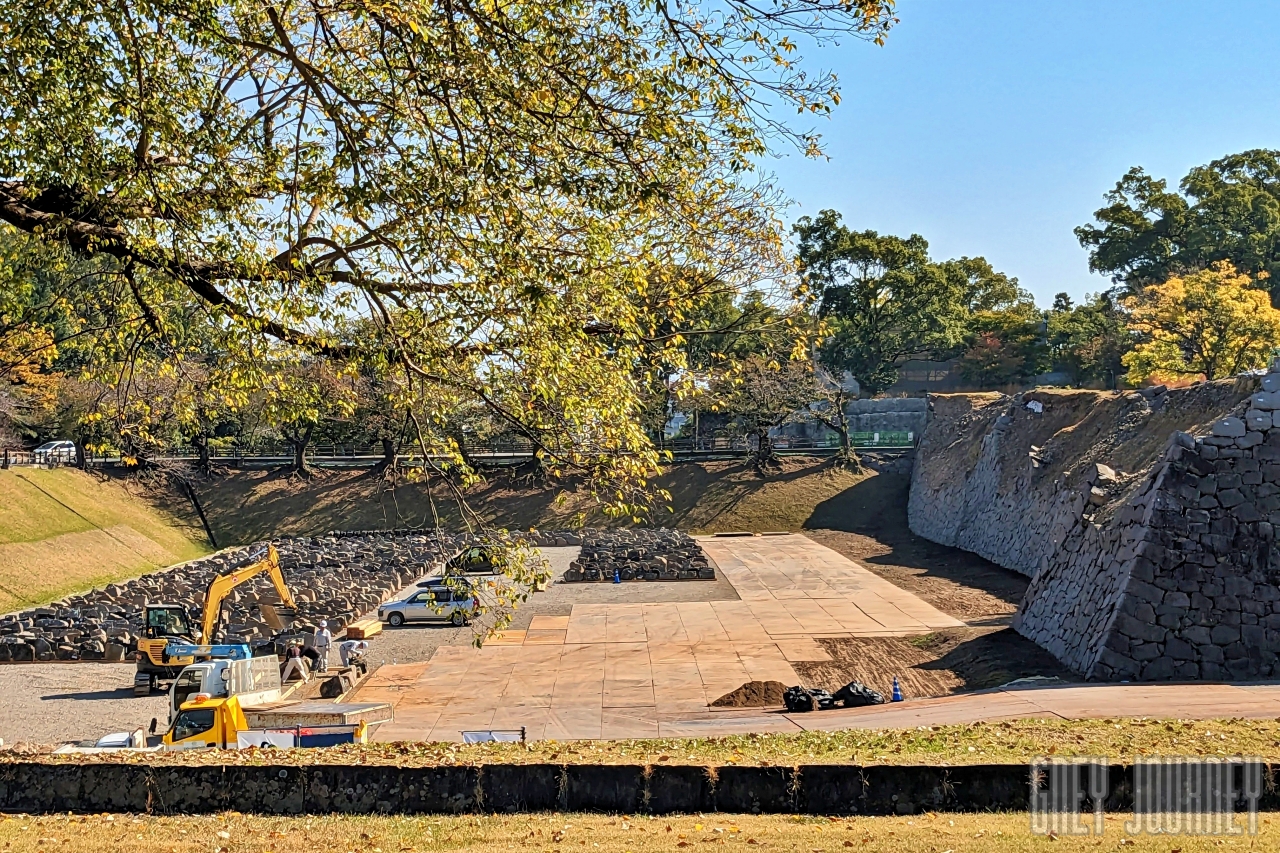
{"x":641,"y":554}
{"x":334,"y":578}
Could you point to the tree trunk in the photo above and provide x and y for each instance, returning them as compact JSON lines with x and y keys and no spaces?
{"x":201,"y":445}
{"x":195,"y":502}
{"x":388,"y":464}
{"x":766,"y":461}
{"x":460,"y":439}
{"x":300,"y":441}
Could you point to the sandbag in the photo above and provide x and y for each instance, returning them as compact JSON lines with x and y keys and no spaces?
{"x":855,"y":694}
{"x":801,"y":699}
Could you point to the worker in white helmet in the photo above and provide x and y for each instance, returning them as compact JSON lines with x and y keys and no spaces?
{"x":323,"y":640}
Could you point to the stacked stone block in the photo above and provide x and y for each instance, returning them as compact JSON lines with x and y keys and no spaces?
{"x":639,"y":555}
{"x":334,"y":578}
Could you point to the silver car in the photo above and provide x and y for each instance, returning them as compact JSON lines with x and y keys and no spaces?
{"x":56,"y":453}
{"x":431,"y":604}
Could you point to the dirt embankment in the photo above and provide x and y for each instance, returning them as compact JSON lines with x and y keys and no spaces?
{"x":706,"y":497}
{"x":868,"y":524}
{"x":63,"y":531}
{"x":949,"y":661}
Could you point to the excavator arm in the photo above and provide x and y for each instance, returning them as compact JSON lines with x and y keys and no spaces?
{"x":220,"y":587}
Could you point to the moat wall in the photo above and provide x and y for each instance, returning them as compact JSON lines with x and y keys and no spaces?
{"x":1151,"y":550}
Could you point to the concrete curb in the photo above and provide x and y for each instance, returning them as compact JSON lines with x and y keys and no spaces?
{"x":35,"y":788}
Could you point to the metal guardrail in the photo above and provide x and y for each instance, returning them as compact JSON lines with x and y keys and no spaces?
{"x":860,"y":440}
{"x":359,"y":456}
{"x":11,"y":458}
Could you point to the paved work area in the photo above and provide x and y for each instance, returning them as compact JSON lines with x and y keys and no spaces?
{"x":795,"y":575}
{"x":627,"y":669}
{"x":57,"y":702}
{"x":1196,"y":701}
{"x":418,"y":641}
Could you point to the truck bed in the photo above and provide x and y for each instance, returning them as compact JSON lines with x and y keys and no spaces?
{"x":283,"y":714}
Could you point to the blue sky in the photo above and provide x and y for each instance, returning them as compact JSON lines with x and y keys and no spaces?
{"x":993,"y":127}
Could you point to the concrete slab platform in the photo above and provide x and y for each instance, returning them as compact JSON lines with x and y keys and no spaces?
{"x":623,"y":670}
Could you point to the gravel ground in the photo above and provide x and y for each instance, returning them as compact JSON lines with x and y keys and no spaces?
{"x":417,"y":642}
{"x":60,"y":702}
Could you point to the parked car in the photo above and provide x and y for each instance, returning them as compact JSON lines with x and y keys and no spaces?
{"x":476,"y":560}
{"x":55,"y":453}
{"x":433,"y":603}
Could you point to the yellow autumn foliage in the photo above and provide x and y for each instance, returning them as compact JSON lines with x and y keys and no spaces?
{"x":1212,"y":323}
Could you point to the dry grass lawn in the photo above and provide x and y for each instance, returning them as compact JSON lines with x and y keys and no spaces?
{"x":65,"y":531}
{"x":928,"y":833}
{"x":1015,"y":741}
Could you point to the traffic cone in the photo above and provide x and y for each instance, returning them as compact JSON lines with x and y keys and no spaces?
{"x":897,"y":691}
{"x":617,"y":577}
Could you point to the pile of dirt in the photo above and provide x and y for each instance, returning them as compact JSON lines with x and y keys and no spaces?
{"x":753,"y":694}
{"x":950,"y":661}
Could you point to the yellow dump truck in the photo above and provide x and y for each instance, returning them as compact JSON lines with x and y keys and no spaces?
{"x":206,"y":721}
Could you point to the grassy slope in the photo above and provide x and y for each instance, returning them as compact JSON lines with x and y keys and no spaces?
{"x":1003,"y":742}
{"x":705,"y":497}
{"x":64,"y":530}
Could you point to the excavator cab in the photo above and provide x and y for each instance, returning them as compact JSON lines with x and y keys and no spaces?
{"x":162,"y":623}
{"x":168,"y":620}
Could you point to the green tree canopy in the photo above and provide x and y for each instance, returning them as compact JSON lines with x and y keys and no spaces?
{"x":484,"y":183}
{"x":1089,"y":340}
{"x":1228,"y":210}
{"x":1005,"y":347}
{"x":885,"y":301}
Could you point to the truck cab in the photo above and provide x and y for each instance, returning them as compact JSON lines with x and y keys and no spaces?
{"x":254,"y":680}
{"x":205,"y":722}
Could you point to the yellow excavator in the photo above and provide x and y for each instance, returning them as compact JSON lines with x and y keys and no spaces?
{"x":166,"y":623}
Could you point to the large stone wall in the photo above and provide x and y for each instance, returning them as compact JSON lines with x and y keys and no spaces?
{"x":1145,"y":564}
{"x":1185,"y":585}
{"x":992,"y":472}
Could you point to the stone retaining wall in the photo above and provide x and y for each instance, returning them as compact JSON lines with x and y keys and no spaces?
{"x":1145,"y":565}
{"x":43,"y":788}
{"x":888,"y":414}
{"x":1181,"y":581}
{"x":992,"y":473}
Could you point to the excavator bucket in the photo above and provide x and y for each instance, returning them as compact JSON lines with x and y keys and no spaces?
{"x":279,"y":616}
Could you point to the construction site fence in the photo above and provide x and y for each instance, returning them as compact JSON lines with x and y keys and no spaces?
{"x":33,"y":787}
